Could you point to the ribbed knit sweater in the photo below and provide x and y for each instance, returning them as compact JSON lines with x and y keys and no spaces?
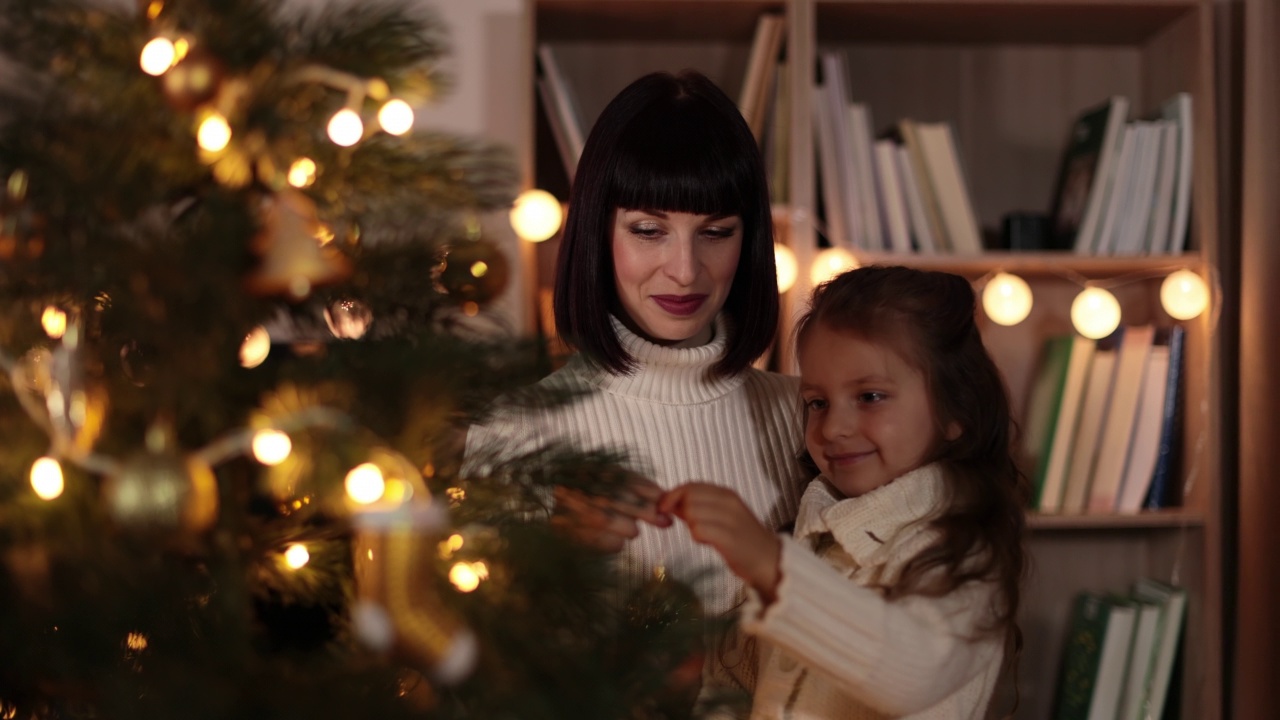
{"x":836,"y":649}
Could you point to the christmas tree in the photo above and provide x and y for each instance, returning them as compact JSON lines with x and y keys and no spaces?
{"x":238,"y":323}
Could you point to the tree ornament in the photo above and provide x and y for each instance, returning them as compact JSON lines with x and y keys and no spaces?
{"x":666,"y":621}
{"x":194,"y":81}
{"x":293,"y":260}
{"x":160,"y":490}
{"x":348,"y":319}
{"x":474,"y":271}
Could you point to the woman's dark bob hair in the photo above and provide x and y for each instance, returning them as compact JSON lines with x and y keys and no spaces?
{"x":674,"y":143}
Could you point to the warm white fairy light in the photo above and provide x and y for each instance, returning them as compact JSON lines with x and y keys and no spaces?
{"x":464,"y":577}
{"x":1007,"y":299}
{"x":346,"y":128}
{"x":302,"y":172}
{"x":1095,"y":313}
{"x":271,"y":447}
{"x":256,"y":347}
{"x":365,"y":484}
{"x":830,"y":263}
{"x":1184,"y":295}
{"x":296,"y":556}
{"x":46,"y":478}
{"x":536,"y":215}
{"x":214,"y":134}
{"x":54,"y":321}
{"x":158,"y":56}
{"x":479,"y":268}
{"x":396,"y":117}
{"x":788,"y":269}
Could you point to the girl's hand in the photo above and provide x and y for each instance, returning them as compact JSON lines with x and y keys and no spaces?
{"x":716,"y":516}
{"x":606,"y":524}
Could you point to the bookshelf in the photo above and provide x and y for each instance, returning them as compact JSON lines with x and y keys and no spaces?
{"x":1010,"y":76}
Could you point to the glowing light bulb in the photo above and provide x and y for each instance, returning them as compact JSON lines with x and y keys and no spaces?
{"x":479,"y":268}
{"x":365,"y":484}
{"x":54,"y":322}
{"x":536,"y":215}
{"x":346,"y":128}
{"x":1095,"y":313}
{"x":464,"y":577}
{"x":788,"y":270}
{"x":302,"y":172}
{"x":158,"y":56}
{"x":396,"y":117}
{"x":830,"y":263}
{"x":46,"y":478}
{"x":1184,"y":295}
{"x":255,"y":348}
{"x":1007,"y":299}
{"x":271,"y":447}
{"x":296,"y":556}
{"x":214,"y":134}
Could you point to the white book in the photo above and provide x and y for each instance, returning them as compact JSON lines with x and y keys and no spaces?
{"x":1116,"y":437}
{"x":564,"y":145}
{"x":563,"y":101}
{"x":836,"y":105}
{"x":1145,"y":636}
{"x":1064,"y":429}
{"x":1118,"y":195}
{"x":921,"y":234}
{"x":1178,"y":109}
{"x":1132,"y":236}
{"x":866,"y":169}
{"x":1174,"y":600}
{"x":1156,"y":241}
{"x":826,"y":155}
{"x":1114,"y":661}
{"x":1145,"y":447}
{"x":1117,"y":115}
{"x":889,"y":190}
{"x":1093,"y":411}
{"x":950,"y":189}
{"x":757,"y":83}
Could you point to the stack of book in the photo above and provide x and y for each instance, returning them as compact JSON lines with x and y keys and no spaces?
{"x":1103,"y":422}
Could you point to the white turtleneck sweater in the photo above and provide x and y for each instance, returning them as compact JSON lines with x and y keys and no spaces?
{"x":836,"y":649}
{"x":676,"y":424}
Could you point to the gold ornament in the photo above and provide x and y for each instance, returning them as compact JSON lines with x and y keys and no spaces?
{"x":161,"y":490}
{"x":193,"y":81}
{"x":293,"y":260}
{"x":474,"y":271}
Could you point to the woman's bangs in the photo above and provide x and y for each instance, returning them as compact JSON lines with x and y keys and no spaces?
{"x":667,"y":174}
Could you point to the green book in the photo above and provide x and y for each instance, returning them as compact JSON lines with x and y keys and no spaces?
{"x":1043,"y":403}
{"x":1095,"y":658}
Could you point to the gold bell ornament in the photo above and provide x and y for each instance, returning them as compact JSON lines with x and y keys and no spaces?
{"x":293,"y":258}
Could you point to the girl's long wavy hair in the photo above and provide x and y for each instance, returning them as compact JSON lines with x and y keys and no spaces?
{"x":929,"y":319}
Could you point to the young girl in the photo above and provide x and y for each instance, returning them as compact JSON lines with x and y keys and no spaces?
{"x":897,"y":593}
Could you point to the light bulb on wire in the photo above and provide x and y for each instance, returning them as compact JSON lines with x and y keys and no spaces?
{"x":214,"y":134}
{"x":345,"y":127}
{"x":1095,"y":313}
{"x":536,"y":215}
{"x":46,"y":478}
{"x":1184,"y":295}
{"x":784,"y":259}
{"x":830,"y":263}
{"x":396,"y":117}
{"x":158,"y":56}
{"x":1007,"y":299}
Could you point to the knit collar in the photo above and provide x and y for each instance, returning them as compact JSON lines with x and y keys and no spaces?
{"x":667,"y":375}
{"x":865,"y":525}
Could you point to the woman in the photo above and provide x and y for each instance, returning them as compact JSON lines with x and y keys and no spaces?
{"x":666,"y":287}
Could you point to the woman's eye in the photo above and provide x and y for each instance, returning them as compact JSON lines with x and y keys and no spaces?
{"x":646,"y":231}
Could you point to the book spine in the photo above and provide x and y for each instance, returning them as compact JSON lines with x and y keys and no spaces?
{"x":1163,"y":490}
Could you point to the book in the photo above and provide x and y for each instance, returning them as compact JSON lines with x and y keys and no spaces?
{"x":1141,"y":659}
{"x":1116,"y":437}
{"x":1043,"y":404}
{"x":889,"y":190}
{"x":833,"y":210}
{"x":1131,"y":236}
{"x":1084,"y":174}
{"x":1064,"y":427}
{"x":921,"y":232}
{"x":562,"y":104}
{"x":1095,"y":658}
{"x":761,"y":74}
{"x":1178,"y":109}
{"x":951,"y":192}
{"x":866,"y":169}
{"x":1145,"y":446}
{"x":1093,"y":413}
{"x":1164,"y":491}
{"x":1156,"y":240}
{"x":835,"y":105}
{"x":1173,"y":603}
{"x":1123,"y":173}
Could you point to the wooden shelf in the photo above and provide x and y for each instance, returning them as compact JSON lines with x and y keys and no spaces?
{"x":1169,"y":519}
{"x":1040,"y":264}
{"x":670,"y":20}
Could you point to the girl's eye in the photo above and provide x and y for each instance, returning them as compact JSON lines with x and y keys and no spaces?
{"x":813,"y":404}
{"x":871,"y":397}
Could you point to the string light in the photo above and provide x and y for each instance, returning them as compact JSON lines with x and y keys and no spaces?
{"x":788,"y":269}
{"x":365,"y":484}
{"x":396,"y":117}
{"x":158,"y":56}
{"x":1007,"y":299}
{"x":256,"y":347}
{"x":296,"y":556}
{"x":536,"y":215}
{"x":54,"y":322}
{"x":346,"y":128}
{"x":830,"y":263}
{"x":214,"y":134}
{"x":46,"y":478}
{"x":302,"y":173}
{"x":464,"y":577}
{"x":271,"y":447}
{"x":1184,"y":295}
{"x":1095,"y":313}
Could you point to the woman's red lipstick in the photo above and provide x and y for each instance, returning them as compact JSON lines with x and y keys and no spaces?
{"x":680,"y":304}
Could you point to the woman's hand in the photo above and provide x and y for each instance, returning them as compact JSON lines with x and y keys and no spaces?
{"x":604,"y":523}
{"x":716,"y":516}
